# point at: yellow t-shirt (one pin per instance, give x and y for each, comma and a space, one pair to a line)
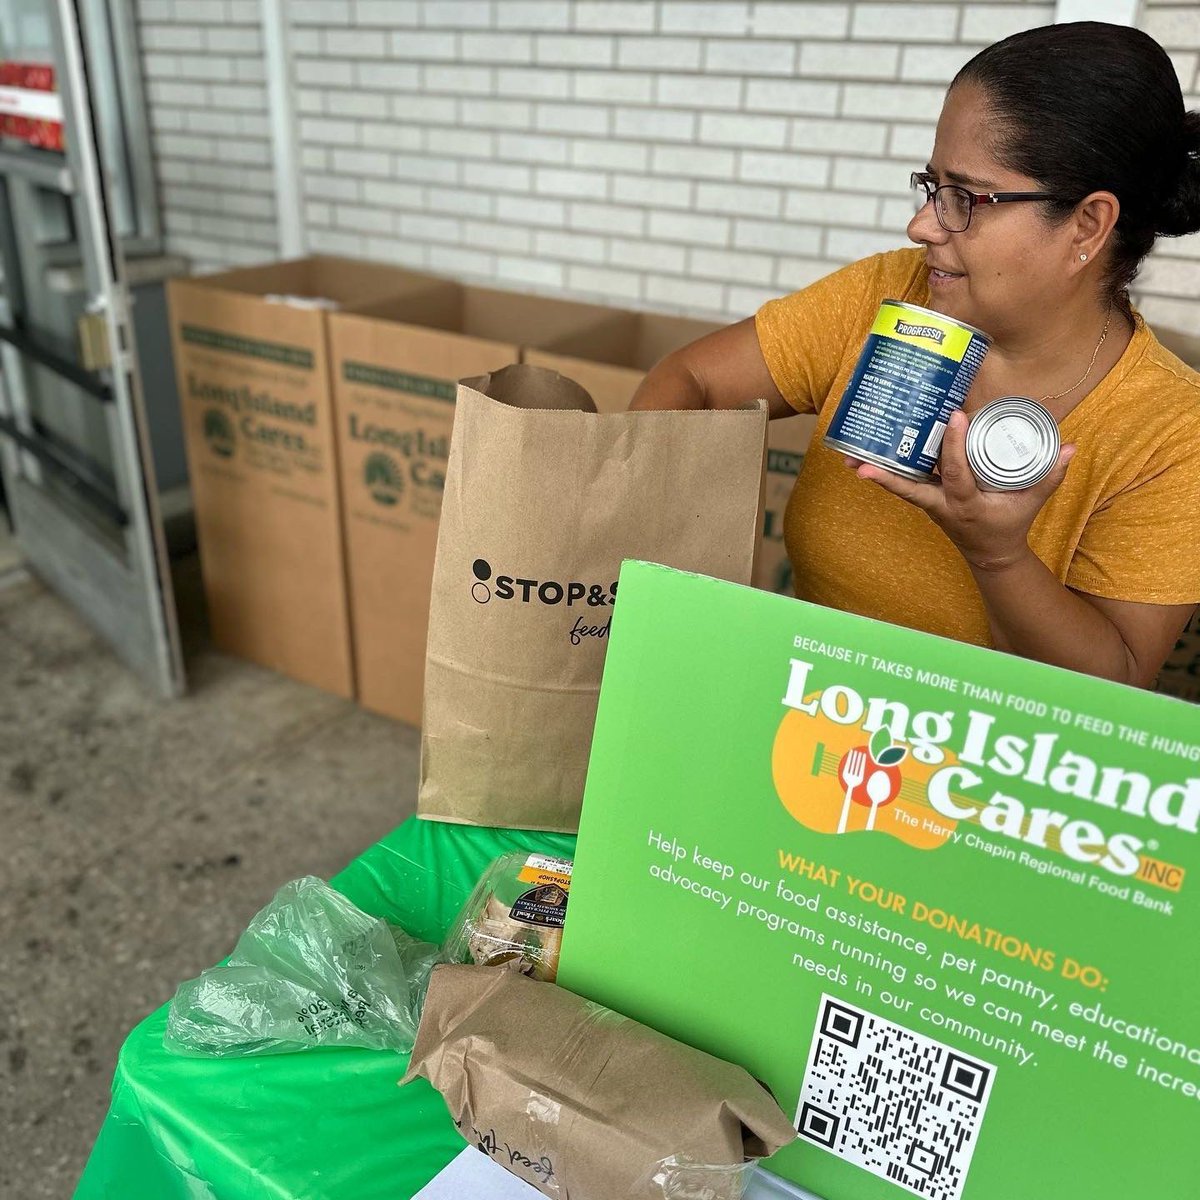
1125, 524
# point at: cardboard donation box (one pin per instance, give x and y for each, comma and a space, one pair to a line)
395, 366
942, 901
251, 360
1180, 676
544, 497
610, 363
787, 444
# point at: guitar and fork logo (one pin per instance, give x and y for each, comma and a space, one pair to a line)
870, 777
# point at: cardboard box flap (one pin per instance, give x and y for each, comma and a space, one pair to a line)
633, 340
530, 320
613, 343
660, 336
489, 314
345, 281
439, 307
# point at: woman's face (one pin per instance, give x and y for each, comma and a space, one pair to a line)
1009, 264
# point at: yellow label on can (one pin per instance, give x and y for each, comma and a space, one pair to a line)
930, 331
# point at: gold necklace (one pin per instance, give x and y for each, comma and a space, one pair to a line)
1095, 354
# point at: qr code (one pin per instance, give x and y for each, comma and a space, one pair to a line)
895, 1102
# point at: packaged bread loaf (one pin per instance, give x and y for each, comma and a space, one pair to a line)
584, 1103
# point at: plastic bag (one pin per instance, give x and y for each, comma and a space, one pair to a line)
310, 970
515, 916
682, 1179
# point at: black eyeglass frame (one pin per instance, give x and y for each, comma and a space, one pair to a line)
922, 179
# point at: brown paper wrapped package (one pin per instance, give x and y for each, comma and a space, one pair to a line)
579, 1101
544, 499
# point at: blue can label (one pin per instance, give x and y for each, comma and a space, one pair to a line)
915, 369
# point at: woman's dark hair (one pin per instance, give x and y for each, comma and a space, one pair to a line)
1087, 107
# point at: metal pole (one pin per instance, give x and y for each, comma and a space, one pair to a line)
289, 213
1115, 12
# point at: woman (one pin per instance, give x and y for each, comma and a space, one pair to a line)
1098, 567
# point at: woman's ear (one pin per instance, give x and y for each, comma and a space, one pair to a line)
1095, 217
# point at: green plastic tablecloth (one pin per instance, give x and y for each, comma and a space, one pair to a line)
317, 1125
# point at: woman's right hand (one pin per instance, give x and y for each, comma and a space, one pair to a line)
989, 529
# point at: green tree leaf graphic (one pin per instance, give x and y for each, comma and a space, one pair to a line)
881, 739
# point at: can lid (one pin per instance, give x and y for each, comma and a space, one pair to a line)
1012, 443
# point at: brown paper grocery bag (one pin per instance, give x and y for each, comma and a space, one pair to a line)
544, 499
581, 1102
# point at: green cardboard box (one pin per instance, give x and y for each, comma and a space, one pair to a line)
939, 899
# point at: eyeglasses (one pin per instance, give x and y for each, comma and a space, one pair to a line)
954, 205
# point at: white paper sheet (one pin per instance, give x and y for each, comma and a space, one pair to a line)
478, 1176
482, 1178
765, 1186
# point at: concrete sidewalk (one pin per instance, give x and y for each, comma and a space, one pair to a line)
138, 837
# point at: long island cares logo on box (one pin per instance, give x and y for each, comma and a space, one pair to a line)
549, 593
384, 476
845, 763
262, 418
219, 433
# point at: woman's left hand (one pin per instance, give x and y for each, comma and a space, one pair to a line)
990, 529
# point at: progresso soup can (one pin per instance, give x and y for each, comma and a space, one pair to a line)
916, 368
1012, 443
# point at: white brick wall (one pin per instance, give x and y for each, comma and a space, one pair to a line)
203, 69
693, 157
1168, 290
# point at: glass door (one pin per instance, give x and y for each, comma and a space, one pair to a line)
76, 198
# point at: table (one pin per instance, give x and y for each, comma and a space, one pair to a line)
325, 1124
